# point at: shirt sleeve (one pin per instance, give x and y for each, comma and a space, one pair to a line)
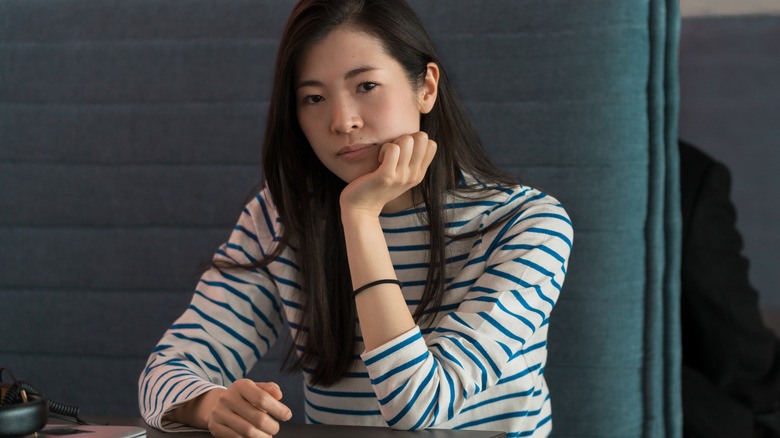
422, 381
233, 319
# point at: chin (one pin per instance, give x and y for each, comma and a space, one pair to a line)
347, 177
353, 174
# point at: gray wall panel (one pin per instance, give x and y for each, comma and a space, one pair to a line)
730, 108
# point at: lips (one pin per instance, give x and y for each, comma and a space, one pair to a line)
355, 151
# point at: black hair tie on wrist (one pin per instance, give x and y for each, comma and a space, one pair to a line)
376, 283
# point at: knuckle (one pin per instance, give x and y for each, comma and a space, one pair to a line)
387, 180
241, 383
274, 386
405, 140
218, 415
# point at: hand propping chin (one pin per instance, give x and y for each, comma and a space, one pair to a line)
403, 164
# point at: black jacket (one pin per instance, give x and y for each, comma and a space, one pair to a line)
731, 360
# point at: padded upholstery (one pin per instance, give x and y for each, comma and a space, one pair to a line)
130, 136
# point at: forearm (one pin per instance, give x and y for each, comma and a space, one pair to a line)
382, 309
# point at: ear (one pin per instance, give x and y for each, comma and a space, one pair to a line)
430, 88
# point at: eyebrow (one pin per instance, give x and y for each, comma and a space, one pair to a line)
348, 75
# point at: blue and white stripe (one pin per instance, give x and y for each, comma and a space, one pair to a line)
479, 365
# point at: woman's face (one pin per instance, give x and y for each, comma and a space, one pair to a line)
352, 98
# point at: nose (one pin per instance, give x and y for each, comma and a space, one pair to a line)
344, 116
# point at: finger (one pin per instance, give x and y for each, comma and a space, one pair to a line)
261, 422
235, 426
271, 388
407, 145
389, 154
417, 163
264, 400
226, 421
219, 430
430, 152
247, 418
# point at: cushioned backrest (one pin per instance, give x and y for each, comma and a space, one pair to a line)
130, 135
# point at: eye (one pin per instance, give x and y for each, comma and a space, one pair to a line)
365, 87
312, 99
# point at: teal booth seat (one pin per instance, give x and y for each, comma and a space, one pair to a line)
130, 136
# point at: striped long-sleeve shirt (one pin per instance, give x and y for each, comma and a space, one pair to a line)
479, 365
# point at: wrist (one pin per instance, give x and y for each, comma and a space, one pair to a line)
352, 217
197, 411
205, 405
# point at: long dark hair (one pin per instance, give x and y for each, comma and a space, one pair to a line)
306, 193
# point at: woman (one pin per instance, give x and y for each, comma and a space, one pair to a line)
416, 278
